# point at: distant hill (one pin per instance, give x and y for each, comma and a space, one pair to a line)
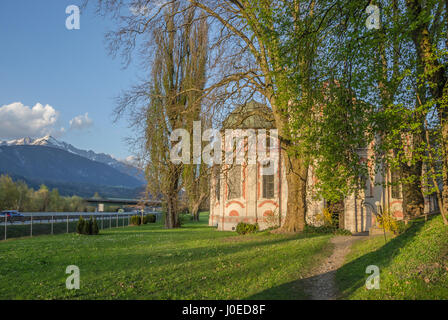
49, 141
67, 171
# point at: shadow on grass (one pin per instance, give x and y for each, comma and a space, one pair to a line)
349, 277
167, 256
293, 290
352, 275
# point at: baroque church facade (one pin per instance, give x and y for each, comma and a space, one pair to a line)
245, 193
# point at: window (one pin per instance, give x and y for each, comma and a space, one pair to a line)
234, 182
396, 186
217, 185
268, 185
366, 181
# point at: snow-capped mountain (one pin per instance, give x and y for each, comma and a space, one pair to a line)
49, 141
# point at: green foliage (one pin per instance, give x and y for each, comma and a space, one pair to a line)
149, 218
16, 195
80, 225
389, 223
326, 229
402, 227
185, 218
413, 265
328, 218
136, 220
95, 228
87, 227
245, 228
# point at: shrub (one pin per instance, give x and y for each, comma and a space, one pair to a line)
80, 225
402, 227
389, 223
151, 218
185, 218
136, 220
95, 228
328, 217
89, 227
326, 230
320, 230
245, 228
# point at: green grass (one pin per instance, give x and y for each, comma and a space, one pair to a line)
149, 262
17, 230
413, 265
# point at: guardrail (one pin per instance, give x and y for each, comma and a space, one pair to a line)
39, 223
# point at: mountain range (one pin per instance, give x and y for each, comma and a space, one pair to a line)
73, 171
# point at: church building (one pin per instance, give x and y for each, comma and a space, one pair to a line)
245, 193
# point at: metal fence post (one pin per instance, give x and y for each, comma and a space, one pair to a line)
110, 221
67, 223
102, 219
51, 224
129, 217
116, 225
31, 232
6, 221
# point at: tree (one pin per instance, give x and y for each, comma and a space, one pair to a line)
9, 194
196, 180
172, 97
427, 29
263, 48
55, 203
42, 197
277, 56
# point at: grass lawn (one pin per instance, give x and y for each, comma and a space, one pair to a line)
149, 262
413, 265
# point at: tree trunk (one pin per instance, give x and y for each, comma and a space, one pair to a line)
195, 211
444, 209
172, 217
413, 199
172, 212
436, 75
296, 177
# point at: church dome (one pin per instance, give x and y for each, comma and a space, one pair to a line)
252, 115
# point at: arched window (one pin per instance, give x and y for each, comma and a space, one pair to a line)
217, 183
268, 185
396, 185
234, 182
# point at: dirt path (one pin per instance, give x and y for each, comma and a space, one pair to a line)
321, 284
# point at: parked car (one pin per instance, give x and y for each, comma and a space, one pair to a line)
5, 213
11, 214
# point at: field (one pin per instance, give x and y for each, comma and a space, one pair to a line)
413, 265
149, 262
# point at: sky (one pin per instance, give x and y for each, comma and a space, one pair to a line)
58, 81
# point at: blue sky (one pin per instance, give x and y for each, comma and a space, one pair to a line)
41, 61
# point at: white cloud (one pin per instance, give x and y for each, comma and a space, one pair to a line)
81, 122
18, 120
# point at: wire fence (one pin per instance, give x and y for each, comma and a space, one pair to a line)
40, 223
